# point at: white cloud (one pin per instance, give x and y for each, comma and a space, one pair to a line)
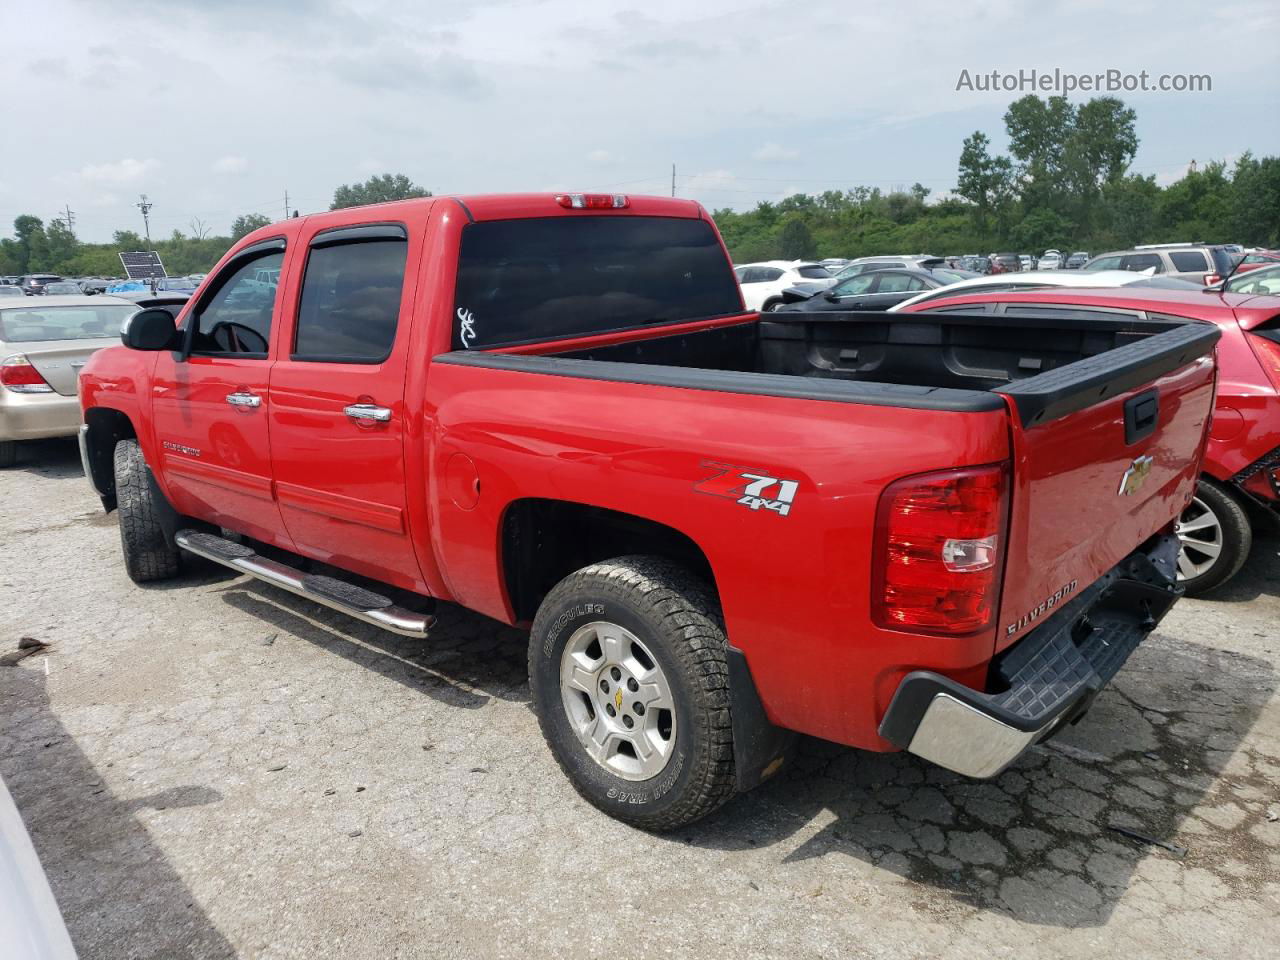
121, 172
230, 164
775, 153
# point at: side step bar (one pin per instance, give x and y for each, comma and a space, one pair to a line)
337, 594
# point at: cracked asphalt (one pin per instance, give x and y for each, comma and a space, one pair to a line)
211, 768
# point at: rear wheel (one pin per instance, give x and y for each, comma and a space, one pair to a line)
772, 306
1215, 537
630, 682
147, 520
8, 453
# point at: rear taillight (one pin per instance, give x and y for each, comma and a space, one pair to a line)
1210, 279
592, 201
939, 549
1267, 351
17, 374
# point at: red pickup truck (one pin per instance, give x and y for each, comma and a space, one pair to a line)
934, 534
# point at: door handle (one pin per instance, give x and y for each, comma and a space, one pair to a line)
367, 411
244, 399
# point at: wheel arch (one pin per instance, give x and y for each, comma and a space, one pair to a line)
104, 427
542, 541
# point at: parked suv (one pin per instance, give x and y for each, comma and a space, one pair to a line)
1240, 485
762, 283
33, 284
1077, 260
1006, 263
1199, 262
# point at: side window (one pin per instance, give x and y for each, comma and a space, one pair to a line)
1189, 261
770, 274
751, 275
1105, 263
1137, 262
350, 301
855, 285
897, 283
236, 319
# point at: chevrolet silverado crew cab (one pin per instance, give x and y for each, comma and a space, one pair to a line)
941, 533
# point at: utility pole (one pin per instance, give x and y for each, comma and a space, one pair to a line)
673, 179
71, 219
286, 204
145, 206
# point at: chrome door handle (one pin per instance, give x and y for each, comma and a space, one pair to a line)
367, 411
244, 400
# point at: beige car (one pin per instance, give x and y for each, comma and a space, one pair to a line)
44, 341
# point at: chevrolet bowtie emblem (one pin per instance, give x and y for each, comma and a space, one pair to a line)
1135, 476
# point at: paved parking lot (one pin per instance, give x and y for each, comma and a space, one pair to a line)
210, 768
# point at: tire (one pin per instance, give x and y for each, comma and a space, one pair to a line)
147, 520
642, 609
771, 306
8, 453
1214, 521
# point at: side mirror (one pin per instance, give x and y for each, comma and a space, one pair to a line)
832, 296
150, 330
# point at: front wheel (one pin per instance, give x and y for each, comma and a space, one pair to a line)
630, 682
147, 520
1215, 536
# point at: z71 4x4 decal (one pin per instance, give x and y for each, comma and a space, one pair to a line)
749, 487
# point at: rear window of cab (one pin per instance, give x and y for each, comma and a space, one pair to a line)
521, 281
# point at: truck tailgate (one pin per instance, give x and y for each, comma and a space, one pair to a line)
1106, 453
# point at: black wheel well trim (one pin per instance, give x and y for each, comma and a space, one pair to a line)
106, 427
537, 550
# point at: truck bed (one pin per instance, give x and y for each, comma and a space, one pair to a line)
960, 362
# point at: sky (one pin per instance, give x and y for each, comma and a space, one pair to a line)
216, 108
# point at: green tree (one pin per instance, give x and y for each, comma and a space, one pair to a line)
795, 242
1038, 132
377, 189
63, 244
247, 223
129, 240
32, 244
1254, 202
985, 181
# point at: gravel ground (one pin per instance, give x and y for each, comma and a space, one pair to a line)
210, 768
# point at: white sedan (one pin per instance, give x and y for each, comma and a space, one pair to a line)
1037, 280
762, 283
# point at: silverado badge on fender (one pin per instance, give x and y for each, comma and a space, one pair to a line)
1135, 476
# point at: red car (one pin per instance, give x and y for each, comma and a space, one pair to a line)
1240, 487
720, 526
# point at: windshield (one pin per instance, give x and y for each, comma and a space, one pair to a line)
29, 324
543, 278
1262, 280
56, 288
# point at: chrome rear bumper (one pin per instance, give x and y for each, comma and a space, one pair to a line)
1044, 681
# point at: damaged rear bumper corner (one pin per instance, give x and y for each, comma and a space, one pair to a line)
1044, 681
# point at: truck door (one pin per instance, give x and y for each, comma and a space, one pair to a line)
337, 402
210, 409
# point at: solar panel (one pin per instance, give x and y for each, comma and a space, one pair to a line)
142, 265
